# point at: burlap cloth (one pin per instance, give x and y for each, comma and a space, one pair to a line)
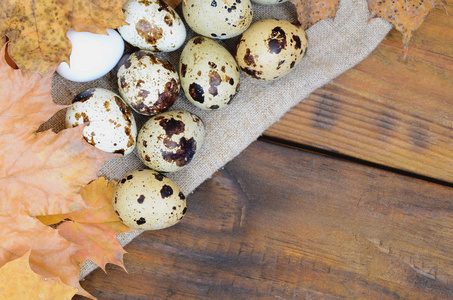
334, 47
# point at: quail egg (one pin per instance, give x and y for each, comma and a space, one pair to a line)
218, 18
153, 25
209, 74
111, 127
270, 49
168, 141
147, 200
147, 82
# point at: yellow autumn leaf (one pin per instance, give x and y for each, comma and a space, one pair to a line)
18, 281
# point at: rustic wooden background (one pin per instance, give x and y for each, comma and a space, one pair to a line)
350, 195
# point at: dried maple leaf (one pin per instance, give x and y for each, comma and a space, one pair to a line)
405, 15
311, 12
37, 29
94, 230
40, 174
18, 281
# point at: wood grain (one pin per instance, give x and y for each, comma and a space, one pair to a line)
385, 110
281, 223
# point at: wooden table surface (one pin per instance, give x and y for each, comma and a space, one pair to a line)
350, 195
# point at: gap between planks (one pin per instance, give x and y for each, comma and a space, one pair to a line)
334, 154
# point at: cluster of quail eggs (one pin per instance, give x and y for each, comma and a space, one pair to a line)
148, 85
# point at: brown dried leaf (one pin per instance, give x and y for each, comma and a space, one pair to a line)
95, 230
405, 15
37, 29
311, 12
40, 174
18, 281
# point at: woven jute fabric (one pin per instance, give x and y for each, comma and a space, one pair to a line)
334, 47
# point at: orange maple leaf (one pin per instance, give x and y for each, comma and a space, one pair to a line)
26, 284
95, 230
41, 173
311, 12
37, 29
405, 15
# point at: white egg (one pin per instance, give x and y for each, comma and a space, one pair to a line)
153, 25
92, 55
111, 127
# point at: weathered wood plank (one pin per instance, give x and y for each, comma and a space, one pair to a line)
278, 222
385, 110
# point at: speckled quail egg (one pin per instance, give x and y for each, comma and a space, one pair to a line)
111, 125
168, 141
147, 200
153, 25
209, 74
268, 2
217, 18
147, 82
270, 49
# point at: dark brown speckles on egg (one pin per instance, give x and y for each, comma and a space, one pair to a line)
159, 176
214, 81
150, 32
166, 191
183, 70
169, 144
142, 94
298, 43
172, 126
141, 199
277, 40
184, 154
139, 83
249, 59
141, 221
123, 82
196, 92
145, 2
168, 20
181, 196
